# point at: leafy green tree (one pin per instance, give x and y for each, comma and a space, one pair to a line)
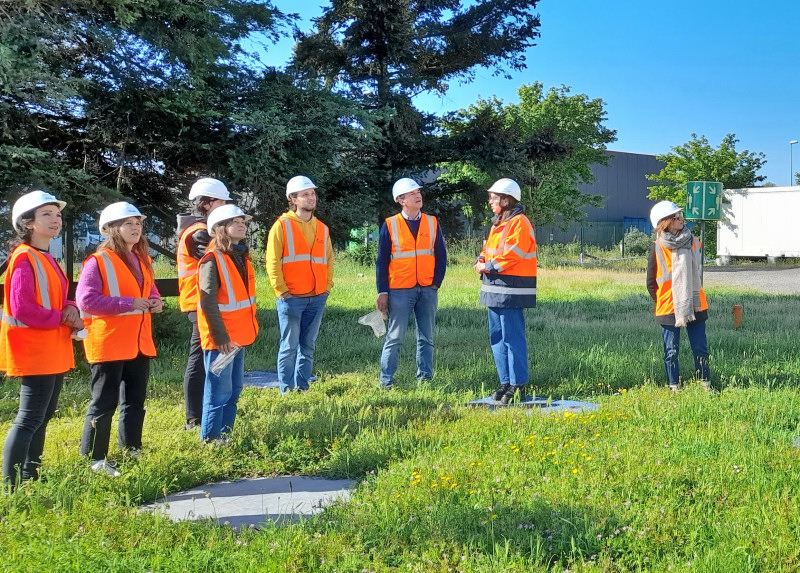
697, 160
120, 98
383, 52
547, 142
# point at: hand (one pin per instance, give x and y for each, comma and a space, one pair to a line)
156, 305
287, 295
71, 317
227, 348
382, 303
480, 267
141, 304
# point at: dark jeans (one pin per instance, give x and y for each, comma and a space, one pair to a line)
123, 382
38, 398
194, 377
697, 340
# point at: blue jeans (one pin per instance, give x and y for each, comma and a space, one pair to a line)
220, 395
697, 340
422, 301
299, 319
509, 346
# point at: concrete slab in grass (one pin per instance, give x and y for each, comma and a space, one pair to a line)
542, 405
263, 379
253, 502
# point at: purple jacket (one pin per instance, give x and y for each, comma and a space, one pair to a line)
90, 297
24, 306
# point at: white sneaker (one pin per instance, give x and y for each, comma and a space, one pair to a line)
104, 466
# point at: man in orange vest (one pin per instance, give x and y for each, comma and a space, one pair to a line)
410, 268
205, 195
300, 270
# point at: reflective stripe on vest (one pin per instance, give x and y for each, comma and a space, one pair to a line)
304, 266
399, 253
413, 260
292, 256
110, 274
497, 289
31, 351
125, 335
238, 311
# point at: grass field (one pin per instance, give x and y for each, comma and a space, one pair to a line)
651, 482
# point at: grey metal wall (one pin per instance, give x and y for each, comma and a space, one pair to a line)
623, 185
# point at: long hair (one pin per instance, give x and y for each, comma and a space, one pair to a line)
115, 242
223, 240
507, 204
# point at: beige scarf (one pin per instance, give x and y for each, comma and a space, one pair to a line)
686, 285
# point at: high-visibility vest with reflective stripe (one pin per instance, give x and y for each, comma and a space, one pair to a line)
664, 303
413, 261
119, 336
26, 351
236, 302
511, 246
187, 270
304, 268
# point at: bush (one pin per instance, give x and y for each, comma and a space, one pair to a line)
636, 243
364, 254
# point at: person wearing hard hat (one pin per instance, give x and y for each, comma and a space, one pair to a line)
300, 270
674, 281
205, 195
410, 268
226, 318
37, 323
117, 295
507, 266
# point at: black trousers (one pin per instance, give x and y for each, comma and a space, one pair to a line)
22, 453
194, 378
122, 382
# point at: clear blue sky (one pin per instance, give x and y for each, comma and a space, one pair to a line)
665, 70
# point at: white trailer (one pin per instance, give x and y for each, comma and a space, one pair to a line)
759, 222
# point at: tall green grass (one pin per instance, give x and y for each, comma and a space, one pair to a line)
651, 482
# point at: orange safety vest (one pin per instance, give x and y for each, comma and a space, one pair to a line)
237, 303
118, 336
187, 270
664, 304
26, 351
413, 261
515, 241
304, 268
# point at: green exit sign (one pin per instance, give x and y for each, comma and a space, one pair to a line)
703, 200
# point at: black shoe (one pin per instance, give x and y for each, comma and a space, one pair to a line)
500, 392
513, 394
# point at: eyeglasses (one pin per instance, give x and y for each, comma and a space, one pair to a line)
678, 215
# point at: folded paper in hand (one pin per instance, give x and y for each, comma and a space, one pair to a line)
375, 321
221, 361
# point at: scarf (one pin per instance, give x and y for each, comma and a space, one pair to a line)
686, 263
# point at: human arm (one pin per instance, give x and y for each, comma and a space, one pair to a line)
520, 245
329, 285
208, 283
652, 282
24, 306
382, 269
90, 298
274, 265
197, 243
440, 255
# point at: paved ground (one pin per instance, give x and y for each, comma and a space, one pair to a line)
770, 279
253, 502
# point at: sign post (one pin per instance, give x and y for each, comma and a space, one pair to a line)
703, 203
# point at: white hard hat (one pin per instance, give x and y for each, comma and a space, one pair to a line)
506, 187
224, 213
663, 209
403, 186
117, 212
208, 187
31, 201
298, 183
